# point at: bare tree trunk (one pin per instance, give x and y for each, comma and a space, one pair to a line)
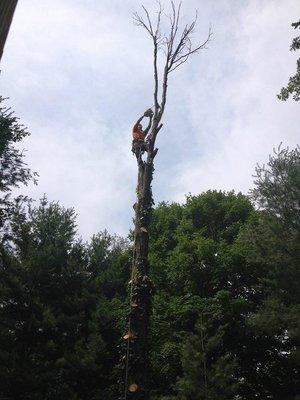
141, 285
7, 9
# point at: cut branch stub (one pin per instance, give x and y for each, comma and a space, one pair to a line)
133, 388
129, 335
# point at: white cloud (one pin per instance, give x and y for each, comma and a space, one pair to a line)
246, 119
78, 74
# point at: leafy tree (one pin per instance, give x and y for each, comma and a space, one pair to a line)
204, 342
275, 236
293, 86
59, 328
209, 369
194, 250
13, 169
109, 261
273, 240
277, 189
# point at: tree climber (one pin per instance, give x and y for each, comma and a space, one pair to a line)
139, 145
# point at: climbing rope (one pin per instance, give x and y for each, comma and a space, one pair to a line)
129, 319
204, 355
130, 299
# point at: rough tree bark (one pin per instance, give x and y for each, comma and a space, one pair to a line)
177, 48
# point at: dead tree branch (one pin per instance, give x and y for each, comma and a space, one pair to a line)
177, 48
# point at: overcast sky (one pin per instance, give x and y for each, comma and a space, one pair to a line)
79, 73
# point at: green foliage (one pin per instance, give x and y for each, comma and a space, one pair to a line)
13, 170
59, 326
211, 287
205, 279
293, 86
224, 324
273, 240
278, 188
209, 372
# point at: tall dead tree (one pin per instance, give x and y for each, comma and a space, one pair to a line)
176, 46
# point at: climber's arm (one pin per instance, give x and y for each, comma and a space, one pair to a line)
147, 113
135, 127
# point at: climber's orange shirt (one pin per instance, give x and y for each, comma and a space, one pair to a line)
137, 134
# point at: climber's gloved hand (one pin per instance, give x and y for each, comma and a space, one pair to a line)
148, 113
